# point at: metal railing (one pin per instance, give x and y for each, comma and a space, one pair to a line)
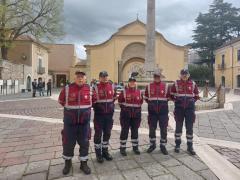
41, 70
221, 66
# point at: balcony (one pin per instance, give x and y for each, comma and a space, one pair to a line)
221, 66
41, 70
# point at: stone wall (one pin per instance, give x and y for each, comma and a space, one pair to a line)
12, 71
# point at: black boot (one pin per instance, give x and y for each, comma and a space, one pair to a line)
85, 168
99, 158
136, 150
151, 148
164, 150
106, 155
191, 151
123, 151
67, 167
177, 149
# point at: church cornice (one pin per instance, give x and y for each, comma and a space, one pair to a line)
128, 25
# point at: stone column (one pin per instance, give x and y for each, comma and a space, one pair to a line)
150, 37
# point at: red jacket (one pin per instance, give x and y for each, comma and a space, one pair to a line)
130, 97
187, 89
103, 92
76, 97
104, 96
157, 92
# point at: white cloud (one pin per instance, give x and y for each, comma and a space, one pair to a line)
94, 21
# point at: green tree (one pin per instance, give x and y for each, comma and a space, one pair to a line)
200, 73
41, 19
220, 24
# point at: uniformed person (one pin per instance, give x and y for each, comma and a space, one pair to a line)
185, 93
157, 95
130, 101
103, 104
77, 101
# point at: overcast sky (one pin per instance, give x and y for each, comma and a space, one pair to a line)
94, 21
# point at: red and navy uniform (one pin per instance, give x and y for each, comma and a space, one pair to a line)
130, 101
157, 96
77, 103
184, 94
103, 103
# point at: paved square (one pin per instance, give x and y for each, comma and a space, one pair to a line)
31, 148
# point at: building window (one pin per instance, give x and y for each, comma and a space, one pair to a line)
238, 55
223, 81
238, 81
40, 63
223, 60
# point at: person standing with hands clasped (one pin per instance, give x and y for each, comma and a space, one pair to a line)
103, 104
130, 101
185, 93
76, 98
157, 95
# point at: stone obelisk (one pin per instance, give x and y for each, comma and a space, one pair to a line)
149, 65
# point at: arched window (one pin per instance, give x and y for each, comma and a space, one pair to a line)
238, 81
223, 59
223, 81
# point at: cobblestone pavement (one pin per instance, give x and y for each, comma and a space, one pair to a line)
33, 107
49, 108
232, 155
32, 150
224, 125
46, 108
27, 95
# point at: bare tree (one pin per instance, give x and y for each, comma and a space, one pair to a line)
42, 19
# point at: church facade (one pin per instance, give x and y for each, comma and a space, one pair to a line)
124, 53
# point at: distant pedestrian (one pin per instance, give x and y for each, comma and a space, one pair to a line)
34, 88
44, 85
40, 88
49, 87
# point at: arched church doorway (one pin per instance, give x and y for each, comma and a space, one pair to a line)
29, 82
132, 65
133, 57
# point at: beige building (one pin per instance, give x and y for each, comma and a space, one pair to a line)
80, 65
30, 52
124, 52
62, 58
227, 65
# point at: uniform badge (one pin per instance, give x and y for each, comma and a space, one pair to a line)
86, 96
110, 92
162, 91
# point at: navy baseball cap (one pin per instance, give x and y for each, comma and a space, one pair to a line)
80, 73
103, 74
184, 72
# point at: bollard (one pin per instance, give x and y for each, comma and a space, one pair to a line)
221, 96
206, 90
